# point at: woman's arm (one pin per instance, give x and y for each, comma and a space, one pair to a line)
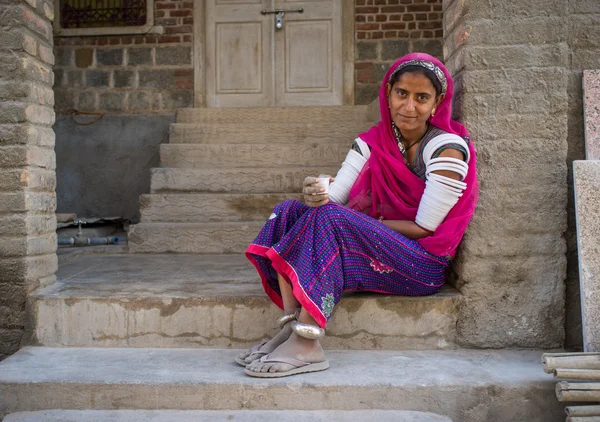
411, 229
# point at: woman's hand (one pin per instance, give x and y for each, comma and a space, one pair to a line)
314, 195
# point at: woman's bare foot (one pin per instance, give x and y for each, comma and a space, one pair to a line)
259, 350
295, 347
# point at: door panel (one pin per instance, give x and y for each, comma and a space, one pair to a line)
308, 62
308, 54
238, 54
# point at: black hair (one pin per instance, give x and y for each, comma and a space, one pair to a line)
418, 69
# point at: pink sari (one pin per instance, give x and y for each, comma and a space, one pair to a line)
387, 187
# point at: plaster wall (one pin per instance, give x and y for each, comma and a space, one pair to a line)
103, 168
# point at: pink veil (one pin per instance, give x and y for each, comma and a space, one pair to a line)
386, 187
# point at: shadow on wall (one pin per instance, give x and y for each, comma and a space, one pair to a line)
103, 168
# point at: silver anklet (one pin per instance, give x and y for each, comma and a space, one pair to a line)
285, 319
308, 331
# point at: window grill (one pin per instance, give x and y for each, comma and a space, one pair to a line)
102, 13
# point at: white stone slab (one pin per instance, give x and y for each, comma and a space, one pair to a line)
466, 385
586, 175
225, 416
591, 113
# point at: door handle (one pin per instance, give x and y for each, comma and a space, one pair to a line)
279, 13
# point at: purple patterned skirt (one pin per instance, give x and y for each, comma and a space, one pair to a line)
325, 251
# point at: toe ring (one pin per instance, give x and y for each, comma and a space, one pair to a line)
307, 330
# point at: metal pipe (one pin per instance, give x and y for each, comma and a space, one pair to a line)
88, 241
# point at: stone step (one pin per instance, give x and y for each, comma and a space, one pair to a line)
247, 180
225, 416
327, 114
209, 207
271, 133
465, 385
215, 301
223, 156
210, 238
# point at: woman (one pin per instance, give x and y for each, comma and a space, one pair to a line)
392, 220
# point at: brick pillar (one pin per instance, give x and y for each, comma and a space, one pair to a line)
27, 164
510, 61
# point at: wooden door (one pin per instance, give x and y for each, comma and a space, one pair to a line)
250, 63
239, 70
308, 54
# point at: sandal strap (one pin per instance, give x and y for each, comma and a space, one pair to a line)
290, 361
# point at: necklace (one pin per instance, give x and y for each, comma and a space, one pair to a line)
400, 141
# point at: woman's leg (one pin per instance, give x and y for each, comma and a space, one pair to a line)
290, 306
296, 347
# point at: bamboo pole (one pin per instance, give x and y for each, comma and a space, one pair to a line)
578, 391
578, 374
583, 418
583, 410
552, 361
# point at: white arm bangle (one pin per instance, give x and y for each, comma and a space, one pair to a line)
339, 190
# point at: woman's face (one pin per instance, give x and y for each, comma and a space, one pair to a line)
411, 100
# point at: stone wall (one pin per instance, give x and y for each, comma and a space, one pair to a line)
510, 60
388, 29
584, 46
27, 163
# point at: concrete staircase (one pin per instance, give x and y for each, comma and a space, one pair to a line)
156, 333
223, 170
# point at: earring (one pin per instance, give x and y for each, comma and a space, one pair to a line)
433, 112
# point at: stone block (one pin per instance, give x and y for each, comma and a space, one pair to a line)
112, 57
24, 271
27, 224
12, 316
587, 208
45, 53
60, 78
19, 41
96, 79
536, 30
584, 7
156, 78
366, 50
64, 57
591, 113
140, 101
111, 101
29, 245
511, 9
391, 50
501, 57
26, 134
172, 100
75, 78
23, 156
26, 113
84, 57
171, 56
32, 178
433, 47
139, 56
124, 79
515, 80
87, 101
23, 67
24, 201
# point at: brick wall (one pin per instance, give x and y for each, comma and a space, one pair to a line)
388, 29
133, 73
27, 164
